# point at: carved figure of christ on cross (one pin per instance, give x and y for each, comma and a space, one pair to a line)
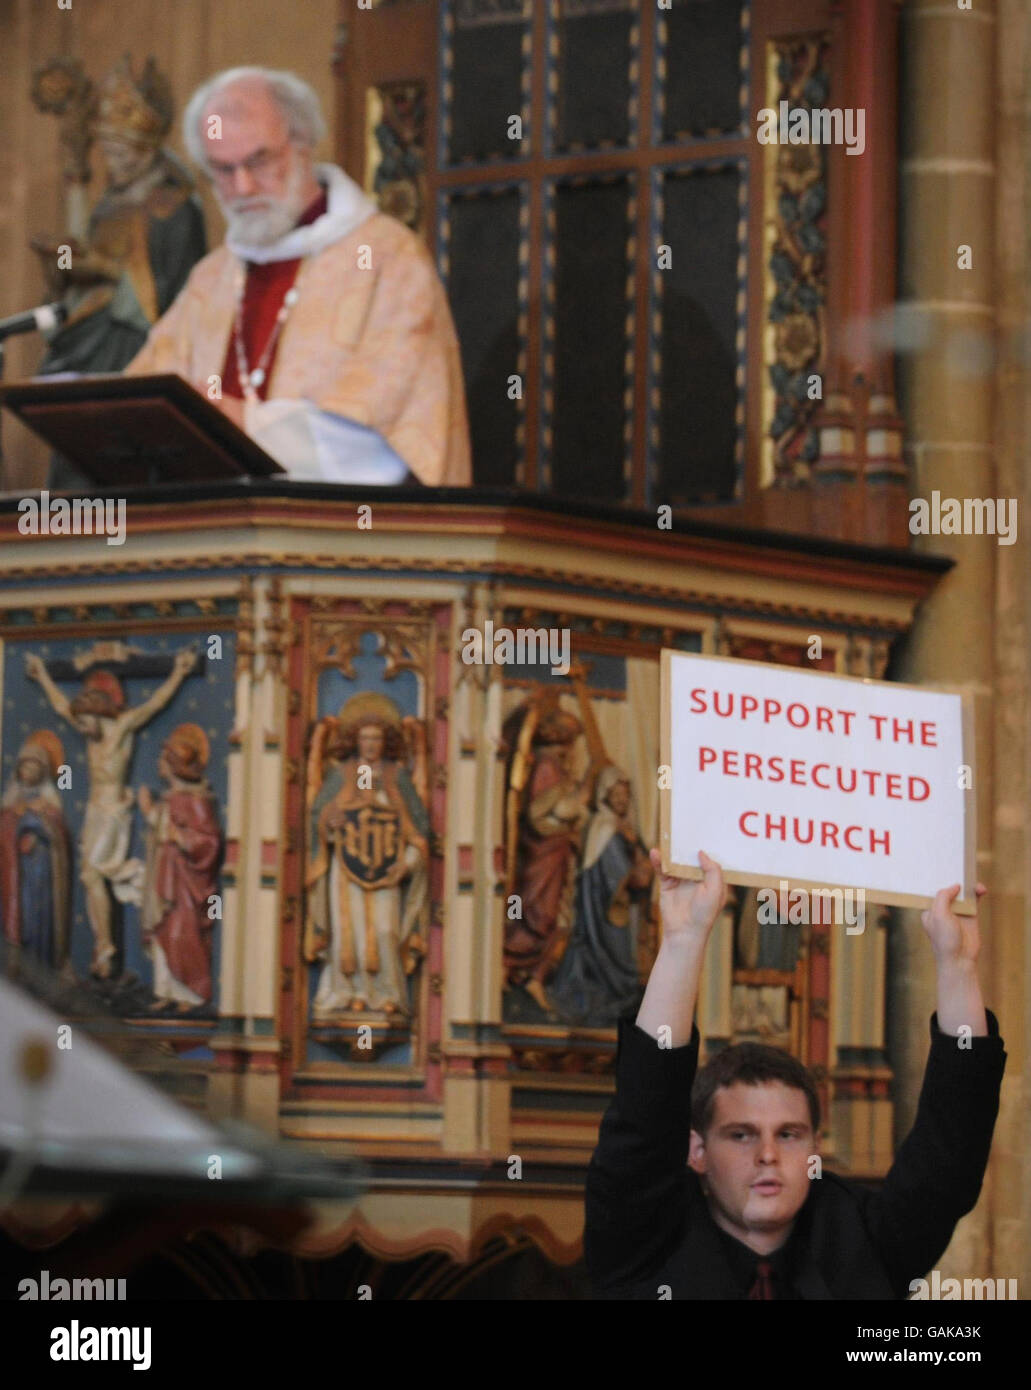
99, 714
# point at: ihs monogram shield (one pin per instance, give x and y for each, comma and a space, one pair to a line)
370, 842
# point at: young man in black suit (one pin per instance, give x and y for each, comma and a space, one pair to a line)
715, 1196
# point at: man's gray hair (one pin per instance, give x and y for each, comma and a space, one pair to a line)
298, 102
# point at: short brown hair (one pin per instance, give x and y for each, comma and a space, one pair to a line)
753, 1064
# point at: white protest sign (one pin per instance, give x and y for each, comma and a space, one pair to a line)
825, 781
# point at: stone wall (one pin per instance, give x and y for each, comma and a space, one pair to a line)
962, 338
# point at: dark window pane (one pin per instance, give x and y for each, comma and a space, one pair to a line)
593, 98
486, 80
697, 337
483, 287
590, 326
702, 93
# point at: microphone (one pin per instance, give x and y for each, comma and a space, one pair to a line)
41, 320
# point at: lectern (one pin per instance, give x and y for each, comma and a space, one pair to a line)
123, 431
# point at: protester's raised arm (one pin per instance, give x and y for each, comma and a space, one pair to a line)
938, 1170
635, 1191
956, 942
688, 909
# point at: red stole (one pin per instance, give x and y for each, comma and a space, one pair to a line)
262, 300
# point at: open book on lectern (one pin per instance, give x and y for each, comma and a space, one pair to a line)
127, 431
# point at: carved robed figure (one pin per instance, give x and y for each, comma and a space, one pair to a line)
367, 884
35, 856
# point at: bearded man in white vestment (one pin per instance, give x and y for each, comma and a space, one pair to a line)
321, 327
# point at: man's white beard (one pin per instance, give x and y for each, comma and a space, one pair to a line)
261, 226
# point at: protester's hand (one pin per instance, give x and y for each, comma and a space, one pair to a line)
952, 938
688, 907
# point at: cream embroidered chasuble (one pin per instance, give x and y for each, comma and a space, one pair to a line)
375, 345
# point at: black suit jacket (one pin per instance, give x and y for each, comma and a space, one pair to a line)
648, 1223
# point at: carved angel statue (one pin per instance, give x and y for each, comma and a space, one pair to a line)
367, 900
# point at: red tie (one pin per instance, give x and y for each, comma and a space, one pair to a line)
763, 1286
